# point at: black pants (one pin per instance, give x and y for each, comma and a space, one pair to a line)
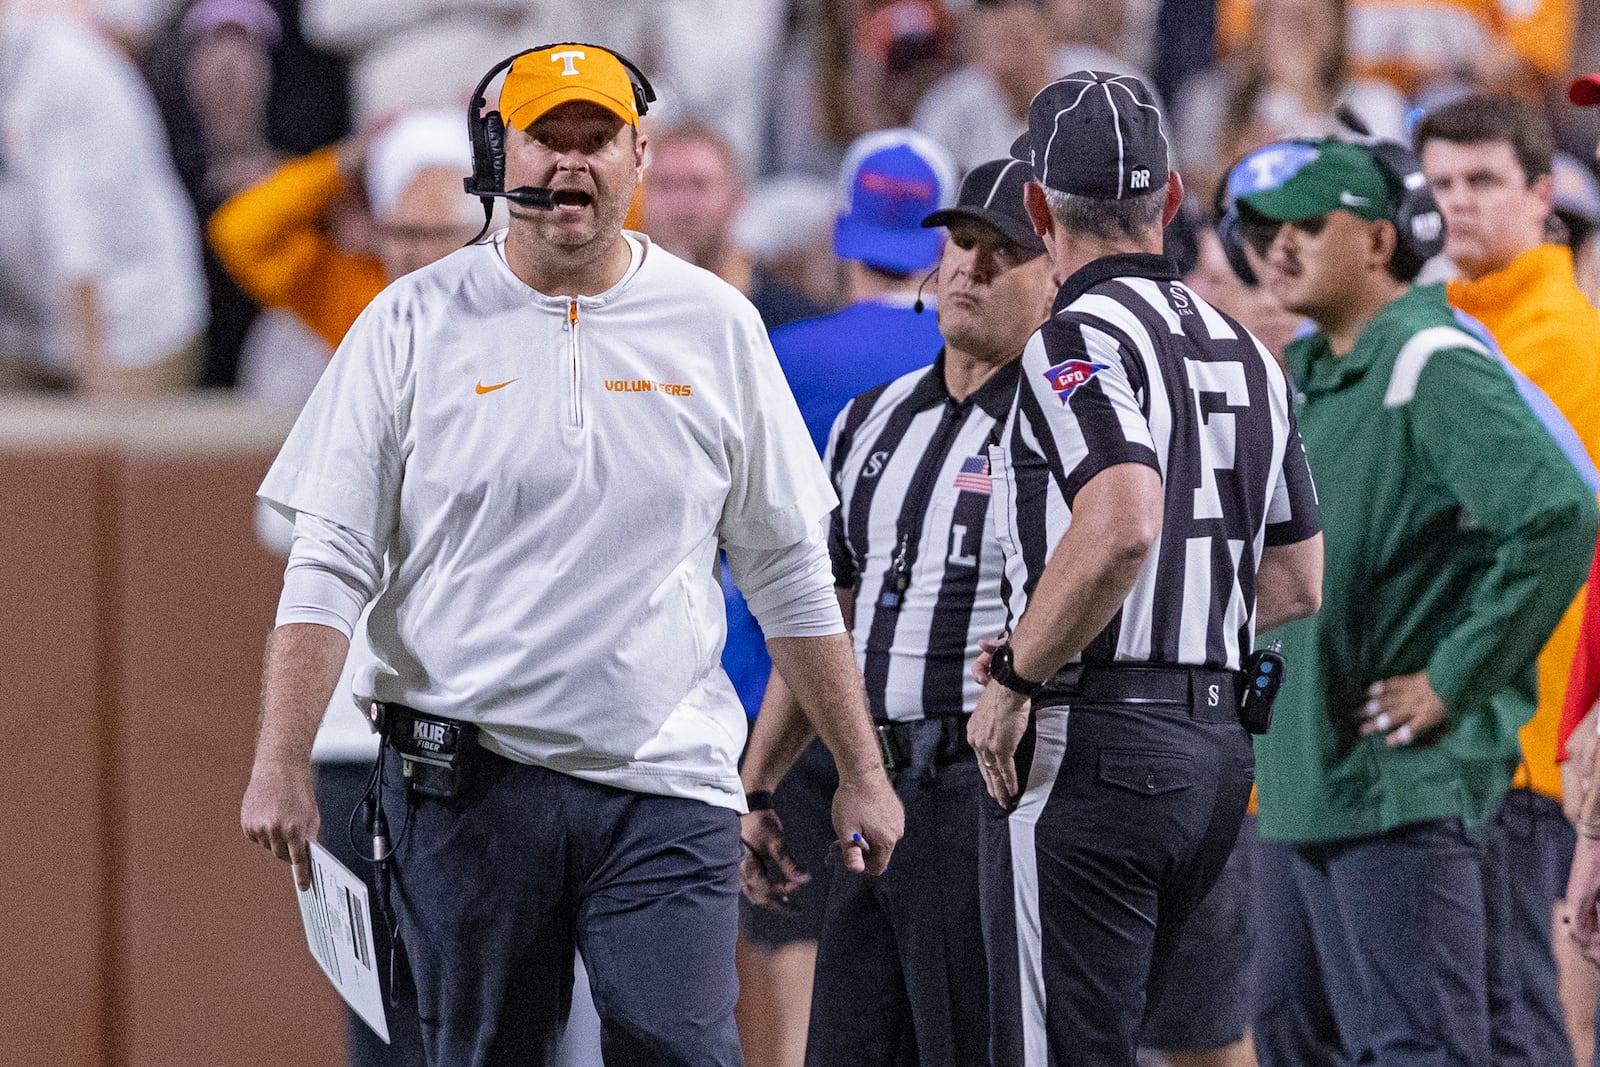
495, 890
900, 976
1127, 818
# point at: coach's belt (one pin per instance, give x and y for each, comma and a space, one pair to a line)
1208, 695
894, 740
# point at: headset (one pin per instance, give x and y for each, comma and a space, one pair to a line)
1418, 223
487, 133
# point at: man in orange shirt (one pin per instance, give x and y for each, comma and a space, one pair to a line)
279, 238
1488, 160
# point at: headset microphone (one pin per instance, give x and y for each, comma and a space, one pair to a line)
919, 305
525, 195
487, 133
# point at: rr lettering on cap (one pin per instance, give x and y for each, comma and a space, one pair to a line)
1140, 179
569, 59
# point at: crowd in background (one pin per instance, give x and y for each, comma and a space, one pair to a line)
128, 123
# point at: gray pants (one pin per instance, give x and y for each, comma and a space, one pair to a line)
1376, 953
496, 889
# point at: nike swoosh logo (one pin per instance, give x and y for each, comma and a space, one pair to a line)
491, 388
1352, 200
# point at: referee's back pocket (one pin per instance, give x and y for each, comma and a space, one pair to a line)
1147, 772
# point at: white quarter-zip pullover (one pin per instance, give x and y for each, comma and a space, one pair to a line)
551, 478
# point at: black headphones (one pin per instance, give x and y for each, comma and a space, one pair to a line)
487, 133
1418, 223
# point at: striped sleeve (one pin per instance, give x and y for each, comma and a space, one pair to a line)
1292, 512
1091, 407
846, 572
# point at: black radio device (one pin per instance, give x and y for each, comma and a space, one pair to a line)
1262, 674
436, 754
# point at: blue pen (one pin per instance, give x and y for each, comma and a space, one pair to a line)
861, 843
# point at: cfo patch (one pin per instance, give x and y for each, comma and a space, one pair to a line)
1066, 377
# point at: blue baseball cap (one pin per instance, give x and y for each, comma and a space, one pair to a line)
890, 182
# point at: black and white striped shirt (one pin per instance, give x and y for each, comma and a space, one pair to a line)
911, 468
1134, 367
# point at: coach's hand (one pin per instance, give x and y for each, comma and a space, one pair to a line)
868, 819
279, 813
1401, 708
767, 873
994, 731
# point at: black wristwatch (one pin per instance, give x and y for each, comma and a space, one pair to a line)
1001, 670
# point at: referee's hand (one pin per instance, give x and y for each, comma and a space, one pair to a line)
994, 731
279, 813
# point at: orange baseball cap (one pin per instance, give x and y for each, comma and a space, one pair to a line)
561, 74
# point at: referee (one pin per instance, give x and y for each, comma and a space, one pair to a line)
1154, 508
900, 963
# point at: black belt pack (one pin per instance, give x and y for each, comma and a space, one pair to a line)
436, 754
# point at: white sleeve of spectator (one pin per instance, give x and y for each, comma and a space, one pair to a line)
332, 573
790, 589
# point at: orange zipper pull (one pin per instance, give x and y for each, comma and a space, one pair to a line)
572, 313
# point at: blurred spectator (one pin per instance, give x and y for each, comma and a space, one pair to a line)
1418, 44
788, 226
797, 130
890, 181
1092, 35
1286, 80
1577, 207
212, 73
1185, 42
693, 192
709, 59
977, 111
278, 238
876, 61
410, 53
100, 281
1488, 160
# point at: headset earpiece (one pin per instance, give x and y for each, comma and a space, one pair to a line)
1225, 220
1227, 226
1418, 223
494, 142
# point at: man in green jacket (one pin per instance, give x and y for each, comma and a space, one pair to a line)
1456, 532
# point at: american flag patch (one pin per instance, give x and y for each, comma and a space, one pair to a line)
974, 475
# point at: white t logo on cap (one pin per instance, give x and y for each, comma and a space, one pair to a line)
570, 60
